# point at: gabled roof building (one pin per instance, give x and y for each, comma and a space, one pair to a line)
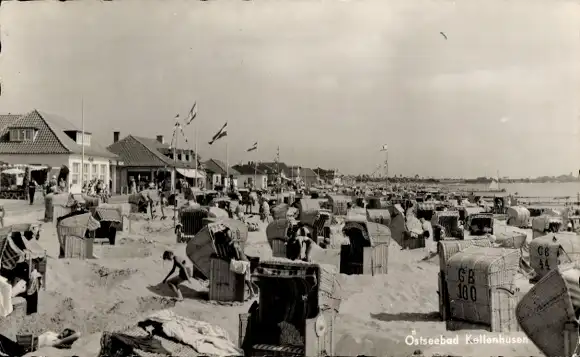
39, 138
152, 160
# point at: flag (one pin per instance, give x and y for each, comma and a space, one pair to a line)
384, 148
220, 134
176, 117
254, 147
192, 114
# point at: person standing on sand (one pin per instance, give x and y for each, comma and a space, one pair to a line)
32, 190
183, 274
427, 234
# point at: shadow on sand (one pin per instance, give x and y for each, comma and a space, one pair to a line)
408, 316
187, 292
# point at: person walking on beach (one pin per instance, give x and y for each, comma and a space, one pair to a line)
264, 210
132, 186
427, 234
182, 276
32, 190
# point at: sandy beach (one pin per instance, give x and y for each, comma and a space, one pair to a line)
376, 316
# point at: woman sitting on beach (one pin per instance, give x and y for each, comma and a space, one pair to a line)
239, 261
183, 275
299, 246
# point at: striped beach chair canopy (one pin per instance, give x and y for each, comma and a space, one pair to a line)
440, 214
11, 254
108, 214
84, 220
426, 206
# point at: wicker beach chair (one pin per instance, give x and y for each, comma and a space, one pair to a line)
339, 204
279, 211
425, 210
72, 230
480, 224
449, 222
212, 259
111, 220
368, 251
296, 311
308, 210
481, 287
548, 313
321, 230
277, 233
190, 222
518, 216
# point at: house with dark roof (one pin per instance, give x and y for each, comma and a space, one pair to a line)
301, 174
251, 176
217, 174
308, 176
152, 160
274, 170
38, 138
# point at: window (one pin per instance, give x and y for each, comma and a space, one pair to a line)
86, 172
22, 134
76, 171
187, 157
87, 138
95, 171
179, 157
103, 174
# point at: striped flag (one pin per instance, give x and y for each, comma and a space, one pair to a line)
192, 114
220, 134
254, 147
176, 117
384, 148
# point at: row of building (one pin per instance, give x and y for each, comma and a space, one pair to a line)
46, 140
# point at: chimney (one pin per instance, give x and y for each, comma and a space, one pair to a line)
160, 139
116, 136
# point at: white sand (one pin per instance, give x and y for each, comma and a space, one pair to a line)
376, 314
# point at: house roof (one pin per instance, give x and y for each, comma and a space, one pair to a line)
144, 152
219, 167
50, 139
306, 172
270, 167
248, 170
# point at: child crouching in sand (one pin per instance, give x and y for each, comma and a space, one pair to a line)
183, 274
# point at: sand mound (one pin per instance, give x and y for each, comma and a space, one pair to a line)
63, 313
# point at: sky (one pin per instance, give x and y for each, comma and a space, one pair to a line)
329, 82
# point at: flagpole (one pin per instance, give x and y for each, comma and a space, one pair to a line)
195, 138
256, 170
82, 141
227, 164
175, 162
